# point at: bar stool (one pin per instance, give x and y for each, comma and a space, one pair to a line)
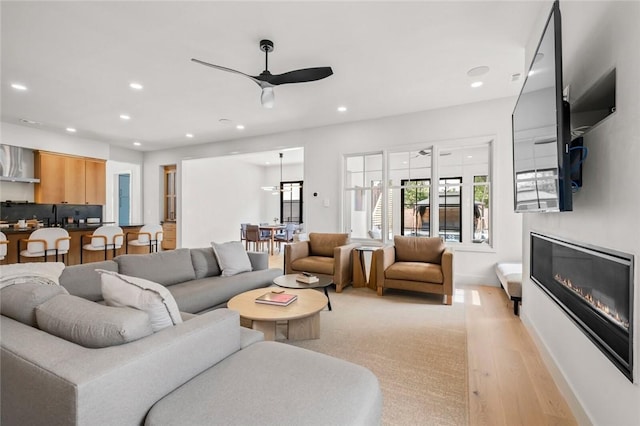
103, 238
45, 242
3, 245
148, 235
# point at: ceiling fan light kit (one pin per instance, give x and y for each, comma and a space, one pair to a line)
267, 81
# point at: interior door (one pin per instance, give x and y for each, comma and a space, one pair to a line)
124, 199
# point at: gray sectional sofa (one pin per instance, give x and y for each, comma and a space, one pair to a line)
191, 275
204, 370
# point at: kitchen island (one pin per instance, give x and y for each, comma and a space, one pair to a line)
76, 231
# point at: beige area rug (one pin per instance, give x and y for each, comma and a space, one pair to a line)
415, 345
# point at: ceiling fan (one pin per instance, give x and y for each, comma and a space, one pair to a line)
267, 81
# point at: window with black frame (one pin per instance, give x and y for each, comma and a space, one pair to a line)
416, 209
291, 202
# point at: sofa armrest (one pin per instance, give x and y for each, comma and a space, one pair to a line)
116, 385
447, 272
342, 272
293, 252
383, 258
259, 260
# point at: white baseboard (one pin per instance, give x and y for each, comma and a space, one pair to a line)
577, 410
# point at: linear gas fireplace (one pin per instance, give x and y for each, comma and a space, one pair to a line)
594, 287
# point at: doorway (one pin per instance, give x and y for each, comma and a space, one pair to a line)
124, 199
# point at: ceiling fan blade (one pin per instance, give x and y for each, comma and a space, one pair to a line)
258, 82
300, 76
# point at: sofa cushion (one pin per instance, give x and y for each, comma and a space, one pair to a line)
138, 293
232, 258
84, 281
166, 267
45, 272
322, 244
19, 301
419, 249
204, 262
206, 293
315, 264
90, 324
415, 271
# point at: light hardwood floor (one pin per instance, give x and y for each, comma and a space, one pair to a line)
508, 381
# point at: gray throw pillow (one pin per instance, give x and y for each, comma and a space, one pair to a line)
91, 324
165, 267
204, 262
232, 258
19, 301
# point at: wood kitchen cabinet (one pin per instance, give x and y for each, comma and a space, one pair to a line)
168, 236
69, 179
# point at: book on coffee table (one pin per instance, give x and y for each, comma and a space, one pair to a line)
307, 278
280, 299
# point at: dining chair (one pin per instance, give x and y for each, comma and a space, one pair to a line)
103, 238
286, 236
148, 235
243, 231
45, 242
254, 236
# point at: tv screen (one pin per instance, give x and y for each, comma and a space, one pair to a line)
541, 131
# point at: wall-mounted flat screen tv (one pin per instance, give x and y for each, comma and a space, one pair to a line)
541, 130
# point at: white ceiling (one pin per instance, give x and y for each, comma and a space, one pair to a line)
78, 58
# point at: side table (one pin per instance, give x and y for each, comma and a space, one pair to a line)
362, 274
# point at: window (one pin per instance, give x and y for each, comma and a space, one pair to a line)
363, 199
291, 202
397, 199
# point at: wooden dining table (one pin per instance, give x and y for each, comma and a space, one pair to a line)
272, 232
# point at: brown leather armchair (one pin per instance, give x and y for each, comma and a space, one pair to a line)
416, 264
325, 254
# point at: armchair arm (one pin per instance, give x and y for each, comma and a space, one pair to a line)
382, 259
293, 252
447, 272
342, 266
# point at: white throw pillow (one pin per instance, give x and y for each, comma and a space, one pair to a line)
138, 293
232, 258
44, 273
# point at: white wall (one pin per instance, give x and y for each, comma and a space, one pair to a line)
323, 151
597, 36
218, 194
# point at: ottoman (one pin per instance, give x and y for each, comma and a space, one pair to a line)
271, 383
510, 276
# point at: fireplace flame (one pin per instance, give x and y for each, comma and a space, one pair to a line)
611, 313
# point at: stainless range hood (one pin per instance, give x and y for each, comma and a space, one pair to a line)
16, 164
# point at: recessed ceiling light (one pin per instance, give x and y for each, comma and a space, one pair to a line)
136, 143
18, 86
71, 130
136, 86
476, 84
469, 156
240, 127
189, 135
125, 117
532, 72
267, 162
477, 71
342, 109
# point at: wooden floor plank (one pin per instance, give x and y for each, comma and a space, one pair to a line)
508, 382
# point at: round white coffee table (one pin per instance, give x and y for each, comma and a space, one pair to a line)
289, 281
302, 315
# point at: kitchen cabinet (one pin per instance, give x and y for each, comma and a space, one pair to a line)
95, 181
69, 179
168, 236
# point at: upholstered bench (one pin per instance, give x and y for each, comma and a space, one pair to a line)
271, 383
510, 276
